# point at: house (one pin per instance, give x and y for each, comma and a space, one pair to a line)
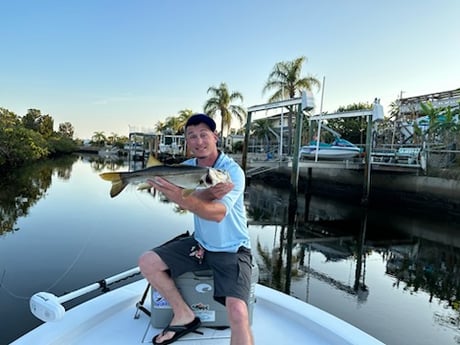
231, 140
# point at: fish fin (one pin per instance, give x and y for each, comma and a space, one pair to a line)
117, 182
144, 185
111, 176
152, 161
187, 192
117, 188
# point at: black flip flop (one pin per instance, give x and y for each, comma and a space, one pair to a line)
179, 331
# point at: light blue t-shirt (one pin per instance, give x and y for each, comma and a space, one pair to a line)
231, 232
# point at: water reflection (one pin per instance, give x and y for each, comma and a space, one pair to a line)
420, 252
99, 163
270, 206
21, 190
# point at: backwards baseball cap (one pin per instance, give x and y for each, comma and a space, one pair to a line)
196, 119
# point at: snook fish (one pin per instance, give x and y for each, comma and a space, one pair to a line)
186, 176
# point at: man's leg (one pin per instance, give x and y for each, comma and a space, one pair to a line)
238, 318
232, 279
154, 269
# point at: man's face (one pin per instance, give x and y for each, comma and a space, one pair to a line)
201, 140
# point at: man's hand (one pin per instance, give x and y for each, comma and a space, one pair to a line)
171, 191
199, 202
174, 193
215, 192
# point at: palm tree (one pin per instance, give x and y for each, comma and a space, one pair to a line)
99, 138
182, 117
159, 126
220, 102
285, 79
113, 138
173, 124
442, 121
263, 129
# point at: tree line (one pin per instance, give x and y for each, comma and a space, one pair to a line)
32, 137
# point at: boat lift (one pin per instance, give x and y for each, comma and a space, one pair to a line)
303, 103
372, 115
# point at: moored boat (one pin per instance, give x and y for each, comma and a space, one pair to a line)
109, 152
339, 149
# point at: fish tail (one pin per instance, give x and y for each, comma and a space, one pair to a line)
117, 182
111, 176
117, 188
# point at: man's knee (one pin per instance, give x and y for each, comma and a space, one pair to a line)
150, 261
237, 310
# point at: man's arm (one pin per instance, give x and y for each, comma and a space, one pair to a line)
200, 202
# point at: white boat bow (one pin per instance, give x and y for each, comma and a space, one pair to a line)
277, 319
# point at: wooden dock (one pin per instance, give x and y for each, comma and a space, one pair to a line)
256, 167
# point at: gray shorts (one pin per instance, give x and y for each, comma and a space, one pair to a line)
231, 271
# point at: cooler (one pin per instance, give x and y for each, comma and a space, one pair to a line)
197, 288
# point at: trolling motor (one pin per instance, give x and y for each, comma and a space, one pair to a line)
48, 307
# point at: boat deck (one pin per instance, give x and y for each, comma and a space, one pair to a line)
278, 319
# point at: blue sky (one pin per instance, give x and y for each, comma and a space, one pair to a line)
104, 65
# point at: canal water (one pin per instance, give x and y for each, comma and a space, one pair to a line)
390, 272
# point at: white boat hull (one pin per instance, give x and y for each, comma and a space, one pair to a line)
333, 152
277, 319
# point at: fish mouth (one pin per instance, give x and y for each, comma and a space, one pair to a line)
205, 180
208, 179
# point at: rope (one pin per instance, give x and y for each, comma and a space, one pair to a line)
72, 265
2, 286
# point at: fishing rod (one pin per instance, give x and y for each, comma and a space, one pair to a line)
48, 307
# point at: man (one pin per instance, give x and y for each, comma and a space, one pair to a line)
220, 241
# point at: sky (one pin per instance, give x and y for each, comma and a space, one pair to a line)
111, 65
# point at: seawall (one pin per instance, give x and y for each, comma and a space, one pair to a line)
387, 189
